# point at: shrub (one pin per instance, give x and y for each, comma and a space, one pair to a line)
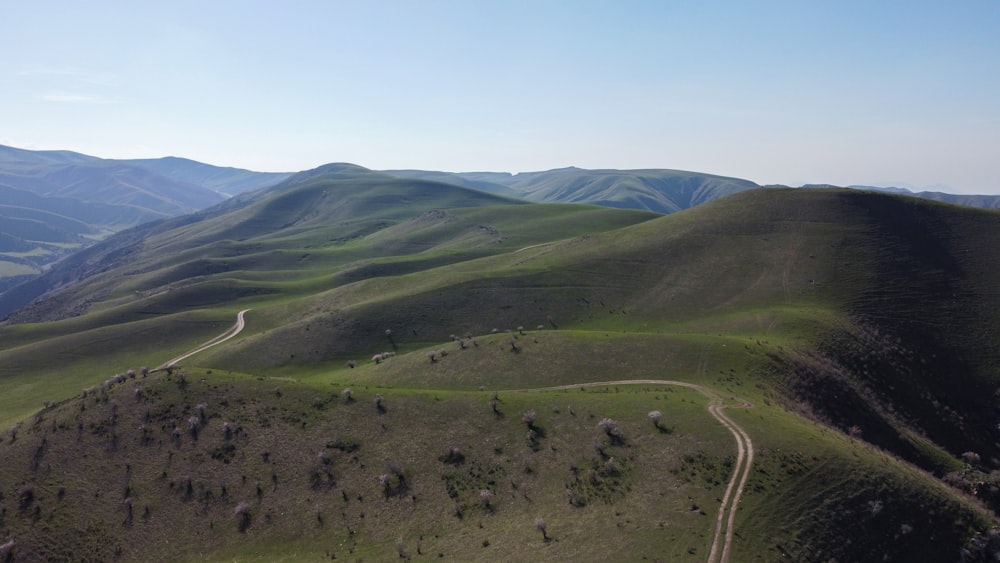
611, 466
542, 527
25, 497
393, 481
970, 457
242, 513
7, 551
608, 425
486, 498
453, 457
529, 417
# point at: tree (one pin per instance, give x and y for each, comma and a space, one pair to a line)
542, 527
655, 416
453, 457
7, 551
193, 424
970, 458
486, 498
242, 513
528, 418
608, 425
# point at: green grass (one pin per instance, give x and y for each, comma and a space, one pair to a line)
818, 306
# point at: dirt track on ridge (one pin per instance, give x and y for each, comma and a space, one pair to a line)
233, 331
722, 538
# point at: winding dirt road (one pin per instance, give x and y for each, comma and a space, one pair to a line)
722, 538
233, 331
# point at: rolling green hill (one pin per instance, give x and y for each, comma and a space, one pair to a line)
661, 191
851, 335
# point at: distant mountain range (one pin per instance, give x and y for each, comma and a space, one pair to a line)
53, 203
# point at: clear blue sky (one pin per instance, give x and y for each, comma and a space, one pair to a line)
839, 91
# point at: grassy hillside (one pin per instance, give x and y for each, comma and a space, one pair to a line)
852, 335
661, 191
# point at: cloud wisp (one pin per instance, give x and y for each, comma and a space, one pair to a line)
75, 98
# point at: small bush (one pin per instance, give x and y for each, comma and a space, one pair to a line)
529, 417
242, 513
542, 527
486, 499
453, 457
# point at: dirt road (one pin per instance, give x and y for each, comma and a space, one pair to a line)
233, 331
722, 538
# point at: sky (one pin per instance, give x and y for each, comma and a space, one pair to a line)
873, 92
